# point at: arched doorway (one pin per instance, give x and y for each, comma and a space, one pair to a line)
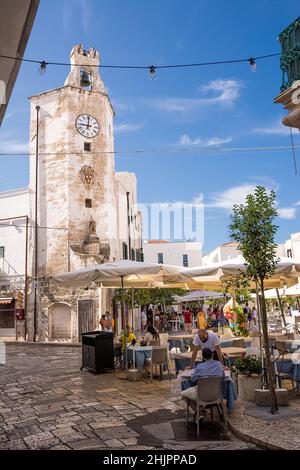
59, 321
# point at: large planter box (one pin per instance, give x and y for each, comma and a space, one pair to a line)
247, 385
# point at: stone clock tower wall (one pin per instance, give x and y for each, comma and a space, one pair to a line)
78, 198
75, 171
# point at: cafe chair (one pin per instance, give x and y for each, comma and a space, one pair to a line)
238, 343
159, 357
252, 351
206, 394
283, 376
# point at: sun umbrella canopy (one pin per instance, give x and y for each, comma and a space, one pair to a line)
134, 273
199, 295
211, 277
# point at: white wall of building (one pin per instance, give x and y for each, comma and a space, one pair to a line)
221, 253
173, 252
291, 247
13, 204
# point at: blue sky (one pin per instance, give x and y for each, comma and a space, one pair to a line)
207, 107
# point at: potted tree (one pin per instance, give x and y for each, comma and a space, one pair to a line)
248, 372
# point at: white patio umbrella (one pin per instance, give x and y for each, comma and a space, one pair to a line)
198, 295
122, 274
211, 276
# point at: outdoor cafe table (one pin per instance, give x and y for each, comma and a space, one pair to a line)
138, 355
183, 360
180, 341
292, 344
175, 325
228, 342
228, 387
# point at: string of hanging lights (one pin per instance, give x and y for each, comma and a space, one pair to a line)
252, 61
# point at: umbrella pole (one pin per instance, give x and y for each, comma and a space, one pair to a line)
124, 319
281, 307
132, 305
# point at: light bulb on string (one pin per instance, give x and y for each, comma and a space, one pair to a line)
252, 63
42, 68
152, 72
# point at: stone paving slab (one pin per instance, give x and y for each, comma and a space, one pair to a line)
46, 402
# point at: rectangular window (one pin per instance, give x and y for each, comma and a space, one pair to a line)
133, 254
2, 250
160, 258
185, 261
288, 253
87, 146
125, 250
88, 203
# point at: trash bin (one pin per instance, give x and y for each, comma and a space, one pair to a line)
97, 351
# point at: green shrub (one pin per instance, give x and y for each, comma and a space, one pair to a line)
248, 365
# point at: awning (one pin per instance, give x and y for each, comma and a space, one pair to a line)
5, 301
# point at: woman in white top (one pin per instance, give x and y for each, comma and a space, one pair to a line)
151, 335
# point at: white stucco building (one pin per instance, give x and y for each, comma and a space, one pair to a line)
222, 252
86, 211
187, 254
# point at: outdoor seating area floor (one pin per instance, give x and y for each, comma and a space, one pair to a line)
46, 402
262, 412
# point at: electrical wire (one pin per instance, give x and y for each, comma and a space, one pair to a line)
44, 63
254, 149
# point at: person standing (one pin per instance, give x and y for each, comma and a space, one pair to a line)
103, 323
206, 339
108, 321
201, 319
188, 321
144, 320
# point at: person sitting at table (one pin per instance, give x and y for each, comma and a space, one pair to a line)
206, 339
151, 335
130, 339
209, 367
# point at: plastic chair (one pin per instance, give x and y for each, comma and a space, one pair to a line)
159, 357
252, 351
208, 394
281, 376
154, 342
239, 343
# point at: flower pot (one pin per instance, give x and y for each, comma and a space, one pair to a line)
247, 385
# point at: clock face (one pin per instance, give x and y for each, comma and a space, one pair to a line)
87, 125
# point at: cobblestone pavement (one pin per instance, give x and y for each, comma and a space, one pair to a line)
281, 433
46, 402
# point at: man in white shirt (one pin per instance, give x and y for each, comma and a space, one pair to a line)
206, 339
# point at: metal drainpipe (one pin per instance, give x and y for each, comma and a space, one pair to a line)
128, 226
36, 224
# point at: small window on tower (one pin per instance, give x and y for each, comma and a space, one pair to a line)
87, 146
88, 203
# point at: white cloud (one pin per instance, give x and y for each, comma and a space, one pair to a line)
126, 127
297, 203
13, 146
225, 92
82, 8
231, 196
85, 14
275, 129
212, 141
287, 213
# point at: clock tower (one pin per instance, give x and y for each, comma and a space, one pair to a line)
75, 168
72, 132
